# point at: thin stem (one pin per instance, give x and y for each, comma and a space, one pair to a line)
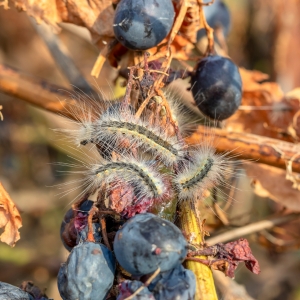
251, 228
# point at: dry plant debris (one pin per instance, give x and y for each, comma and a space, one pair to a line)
10, 219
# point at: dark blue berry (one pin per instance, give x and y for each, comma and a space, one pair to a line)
217, 16
147, 242
178, 283
217, 87
82, 235
88, 273
10, 292
141, 25
128, 287
86, 206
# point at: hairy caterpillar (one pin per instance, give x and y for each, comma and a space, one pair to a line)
109, 123
142, 177
134, 177
126, 172
113, 127
203, 170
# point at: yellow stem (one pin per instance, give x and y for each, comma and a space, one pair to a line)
191, 226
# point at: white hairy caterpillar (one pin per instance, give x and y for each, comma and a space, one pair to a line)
202, 170
114, 126
109, 123
142, 177
146, 182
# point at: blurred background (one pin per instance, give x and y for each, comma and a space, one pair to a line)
264, 35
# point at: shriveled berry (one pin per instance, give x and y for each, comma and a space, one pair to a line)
11, 292
67, 231
147, 242
86, 206
88, 273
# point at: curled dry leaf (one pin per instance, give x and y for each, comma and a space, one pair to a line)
226, 257
236, 252
271, 182
10, 219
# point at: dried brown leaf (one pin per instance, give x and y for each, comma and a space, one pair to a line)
266, 110
236, 252
271, 182
95, 15
251, 79
4, 3
10, 219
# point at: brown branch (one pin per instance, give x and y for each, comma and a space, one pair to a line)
251, 228
37, 92
247, 146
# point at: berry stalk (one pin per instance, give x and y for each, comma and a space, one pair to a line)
190, 225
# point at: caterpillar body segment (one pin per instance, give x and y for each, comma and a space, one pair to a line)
114, 128
141, 177
203, 170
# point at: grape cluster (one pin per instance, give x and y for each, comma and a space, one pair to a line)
89, 271
143, 245
146, 243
